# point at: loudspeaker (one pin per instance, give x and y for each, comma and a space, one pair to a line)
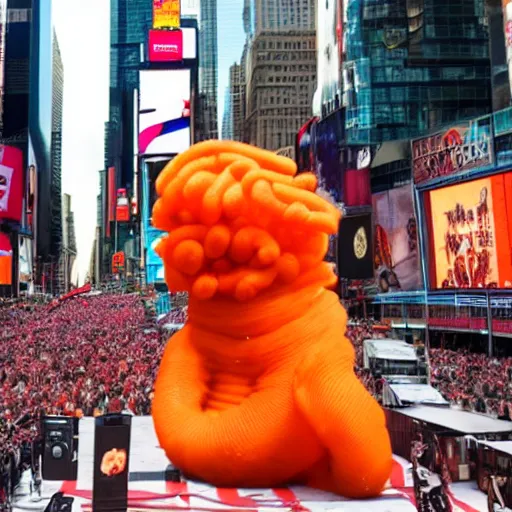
111, 461
60, 448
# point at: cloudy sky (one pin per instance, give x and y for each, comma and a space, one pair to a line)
83, 33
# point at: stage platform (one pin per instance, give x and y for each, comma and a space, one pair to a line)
149, 491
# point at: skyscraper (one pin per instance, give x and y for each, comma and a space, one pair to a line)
27, 109
280, 70
227, 118
130, 21
56, 150
206, 124
412, 66
234, 110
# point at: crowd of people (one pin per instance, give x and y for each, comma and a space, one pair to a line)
100, 353
89, 355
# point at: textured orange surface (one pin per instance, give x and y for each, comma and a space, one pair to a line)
258, 388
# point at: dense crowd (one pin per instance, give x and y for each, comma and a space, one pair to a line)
474, 382
100, 353
88, 356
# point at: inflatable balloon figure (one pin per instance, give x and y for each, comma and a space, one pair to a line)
258, 388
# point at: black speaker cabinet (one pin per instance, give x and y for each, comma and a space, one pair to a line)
111, 460
60, 448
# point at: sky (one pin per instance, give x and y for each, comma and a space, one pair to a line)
83, 33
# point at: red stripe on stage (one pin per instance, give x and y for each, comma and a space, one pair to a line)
178, 488
397, 475
288, 498
232, 498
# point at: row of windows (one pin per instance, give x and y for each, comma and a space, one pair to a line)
399, 74
265, 56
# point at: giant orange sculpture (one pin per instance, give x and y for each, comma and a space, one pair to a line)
258, 388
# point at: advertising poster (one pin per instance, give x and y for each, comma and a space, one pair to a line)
166, 13
122, 206
507, 21
328, 54
25, 260
355, 247
470, 234
5, 260
396, 260
454, 151
11, 183
154, 264
164, 112
165, 45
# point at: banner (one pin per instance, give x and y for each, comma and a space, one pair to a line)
5, 260
118, 262
355, 247
11, 183
165, 45
154, 265
470, 234
454, 151
164, 112
166, 13
396, 259
122, 206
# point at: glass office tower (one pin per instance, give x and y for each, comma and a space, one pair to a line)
413, 65
130, 21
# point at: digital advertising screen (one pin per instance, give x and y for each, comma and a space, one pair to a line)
470, 234
166, 13
25, 260
165, 45
154, 264
164, 112
355, 247
11, 183
396, 259
328, 55
5, 260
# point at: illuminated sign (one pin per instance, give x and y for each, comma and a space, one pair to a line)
166, 13
452, 152
165, 45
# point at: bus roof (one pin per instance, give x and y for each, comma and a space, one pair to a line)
395, 350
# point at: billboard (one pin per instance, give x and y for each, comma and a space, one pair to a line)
166, 13
5, 260
118, 262
25, 260
154, 264
355, 247
507, 21
111, 197
165, 45
11, 183
470, 234
396, 260
328, 55
164, 111
122, 206
454, 151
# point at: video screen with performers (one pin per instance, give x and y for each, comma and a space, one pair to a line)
396, 259
470, 234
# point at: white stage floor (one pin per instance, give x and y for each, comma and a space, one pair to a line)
152, 491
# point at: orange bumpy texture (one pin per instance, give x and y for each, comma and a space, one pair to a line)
258, 388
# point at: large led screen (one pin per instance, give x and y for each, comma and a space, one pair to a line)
5, 260
11, 183
164, 112
470, 234
396, 259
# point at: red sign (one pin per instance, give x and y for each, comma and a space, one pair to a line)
118, 262
11, 183
123, 207
165, 45
5, 260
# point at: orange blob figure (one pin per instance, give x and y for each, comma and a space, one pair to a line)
258, 388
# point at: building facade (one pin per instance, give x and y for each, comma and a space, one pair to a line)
280, 87
207, 115
409, 67
69, 250
234, 110
56, 150
130, 21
